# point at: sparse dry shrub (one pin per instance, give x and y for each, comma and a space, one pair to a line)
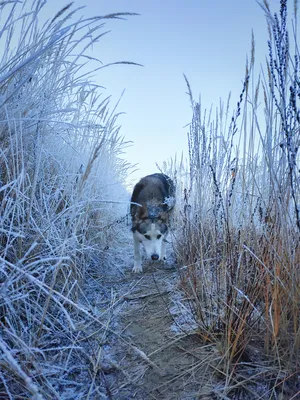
238, 237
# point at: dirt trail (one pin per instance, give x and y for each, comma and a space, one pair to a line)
146, 355
134, 345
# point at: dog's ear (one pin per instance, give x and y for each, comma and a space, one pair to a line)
142, 213
163, 226
135, 224
163, 216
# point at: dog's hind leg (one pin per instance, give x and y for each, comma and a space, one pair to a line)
137, 256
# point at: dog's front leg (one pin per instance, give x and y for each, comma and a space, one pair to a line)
163, 249
137, 256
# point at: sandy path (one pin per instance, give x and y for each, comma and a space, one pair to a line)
139, 350
148, 356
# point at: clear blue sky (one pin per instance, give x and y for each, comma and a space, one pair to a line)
206, 40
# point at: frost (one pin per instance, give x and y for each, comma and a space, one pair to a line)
183, 318
62, 204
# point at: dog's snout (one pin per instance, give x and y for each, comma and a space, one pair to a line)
155, 257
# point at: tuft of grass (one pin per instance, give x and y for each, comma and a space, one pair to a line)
61, 170
238, 232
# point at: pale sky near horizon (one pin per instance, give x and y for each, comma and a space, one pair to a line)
206, 40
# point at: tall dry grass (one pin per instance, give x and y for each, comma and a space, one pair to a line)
239, 233
61, 173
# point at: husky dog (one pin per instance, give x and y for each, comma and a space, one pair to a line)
152, 200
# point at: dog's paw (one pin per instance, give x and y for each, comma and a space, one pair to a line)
137, 268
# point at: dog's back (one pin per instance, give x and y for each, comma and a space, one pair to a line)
154, 194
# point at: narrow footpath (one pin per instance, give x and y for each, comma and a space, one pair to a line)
144, 353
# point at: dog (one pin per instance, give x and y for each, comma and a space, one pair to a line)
152, 201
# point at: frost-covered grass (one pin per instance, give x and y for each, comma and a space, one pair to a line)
238, 237
61, 174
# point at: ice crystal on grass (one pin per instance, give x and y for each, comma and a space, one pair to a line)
61, 170
238, 224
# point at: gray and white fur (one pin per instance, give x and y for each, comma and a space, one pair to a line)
152, 201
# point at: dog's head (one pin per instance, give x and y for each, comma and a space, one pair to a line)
151, 210
151, 233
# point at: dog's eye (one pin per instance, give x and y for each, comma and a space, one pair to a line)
158, 236
147, 237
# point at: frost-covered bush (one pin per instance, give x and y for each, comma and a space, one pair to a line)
61, 174
238, 237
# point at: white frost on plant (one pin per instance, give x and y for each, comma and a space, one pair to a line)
61, 191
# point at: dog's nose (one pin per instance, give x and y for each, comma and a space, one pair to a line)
155, 257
